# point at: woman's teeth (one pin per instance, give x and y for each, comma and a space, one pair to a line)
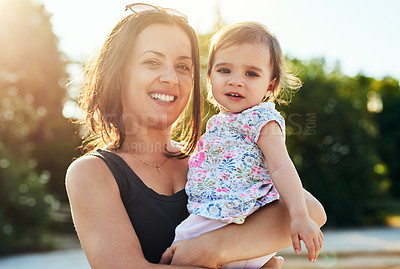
162, 97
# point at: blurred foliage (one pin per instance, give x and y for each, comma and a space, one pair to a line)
36, 142
332, 139
389, 136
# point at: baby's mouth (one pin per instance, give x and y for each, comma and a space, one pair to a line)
234, 95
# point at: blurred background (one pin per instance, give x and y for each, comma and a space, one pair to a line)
343, 125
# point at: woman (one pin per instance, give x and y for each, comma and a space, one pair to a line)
136, 89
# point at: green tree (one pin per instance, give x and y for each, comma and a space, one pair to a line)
36, 141
331, 138
388, 90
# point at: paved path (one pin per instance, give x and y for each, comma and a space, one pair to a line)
377, 248
361, 240
62, 259
344, 249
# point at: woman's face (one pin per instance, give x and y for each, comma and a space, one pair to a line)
157, 77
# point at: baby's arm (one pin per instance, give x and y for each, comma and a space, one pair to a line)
288, 184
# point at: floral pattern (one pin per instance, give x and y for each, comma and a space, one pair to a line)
228, 177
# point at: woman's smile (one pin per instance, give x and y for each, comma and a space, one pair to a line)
163, 97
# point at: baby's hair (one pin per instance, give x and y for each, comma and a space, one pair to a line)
286, 83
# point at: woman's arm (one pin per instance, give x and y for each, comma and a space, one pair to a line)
101, 221
265, 231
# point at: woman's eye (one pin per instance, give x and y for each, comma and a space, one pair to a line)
251, 74
224, 70
151, 63
184, 67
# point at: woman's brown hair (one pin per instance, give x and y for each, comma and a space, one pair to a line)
100, 96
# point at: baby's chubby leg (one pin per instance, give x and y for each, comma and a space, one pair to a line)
255, 263
274, 263
196, 225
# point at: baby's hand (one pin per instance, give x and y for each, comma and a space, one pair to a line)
305, 229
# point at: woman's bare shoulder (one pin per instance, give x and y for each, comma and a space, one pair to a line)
86, 165
86, 171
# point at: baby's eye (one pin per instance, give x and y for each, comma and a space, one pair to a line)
224, 70
251, 74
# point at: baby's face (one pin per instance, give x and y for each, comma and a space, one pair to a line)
240, 76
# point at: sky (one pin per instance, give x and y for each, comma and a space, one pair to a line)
363, 36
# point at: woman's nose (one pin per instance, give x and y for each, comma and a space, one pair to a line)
169, 76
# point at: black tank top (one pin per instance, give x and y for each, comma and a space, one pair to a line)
154, 216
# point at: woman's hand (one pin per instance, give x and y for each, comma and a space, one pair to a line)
193, 251
305, 229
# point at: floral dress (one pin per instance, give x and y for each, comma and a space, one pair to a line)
228, 177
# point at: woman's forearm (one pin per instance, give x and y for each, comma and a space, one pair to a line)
264, 232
